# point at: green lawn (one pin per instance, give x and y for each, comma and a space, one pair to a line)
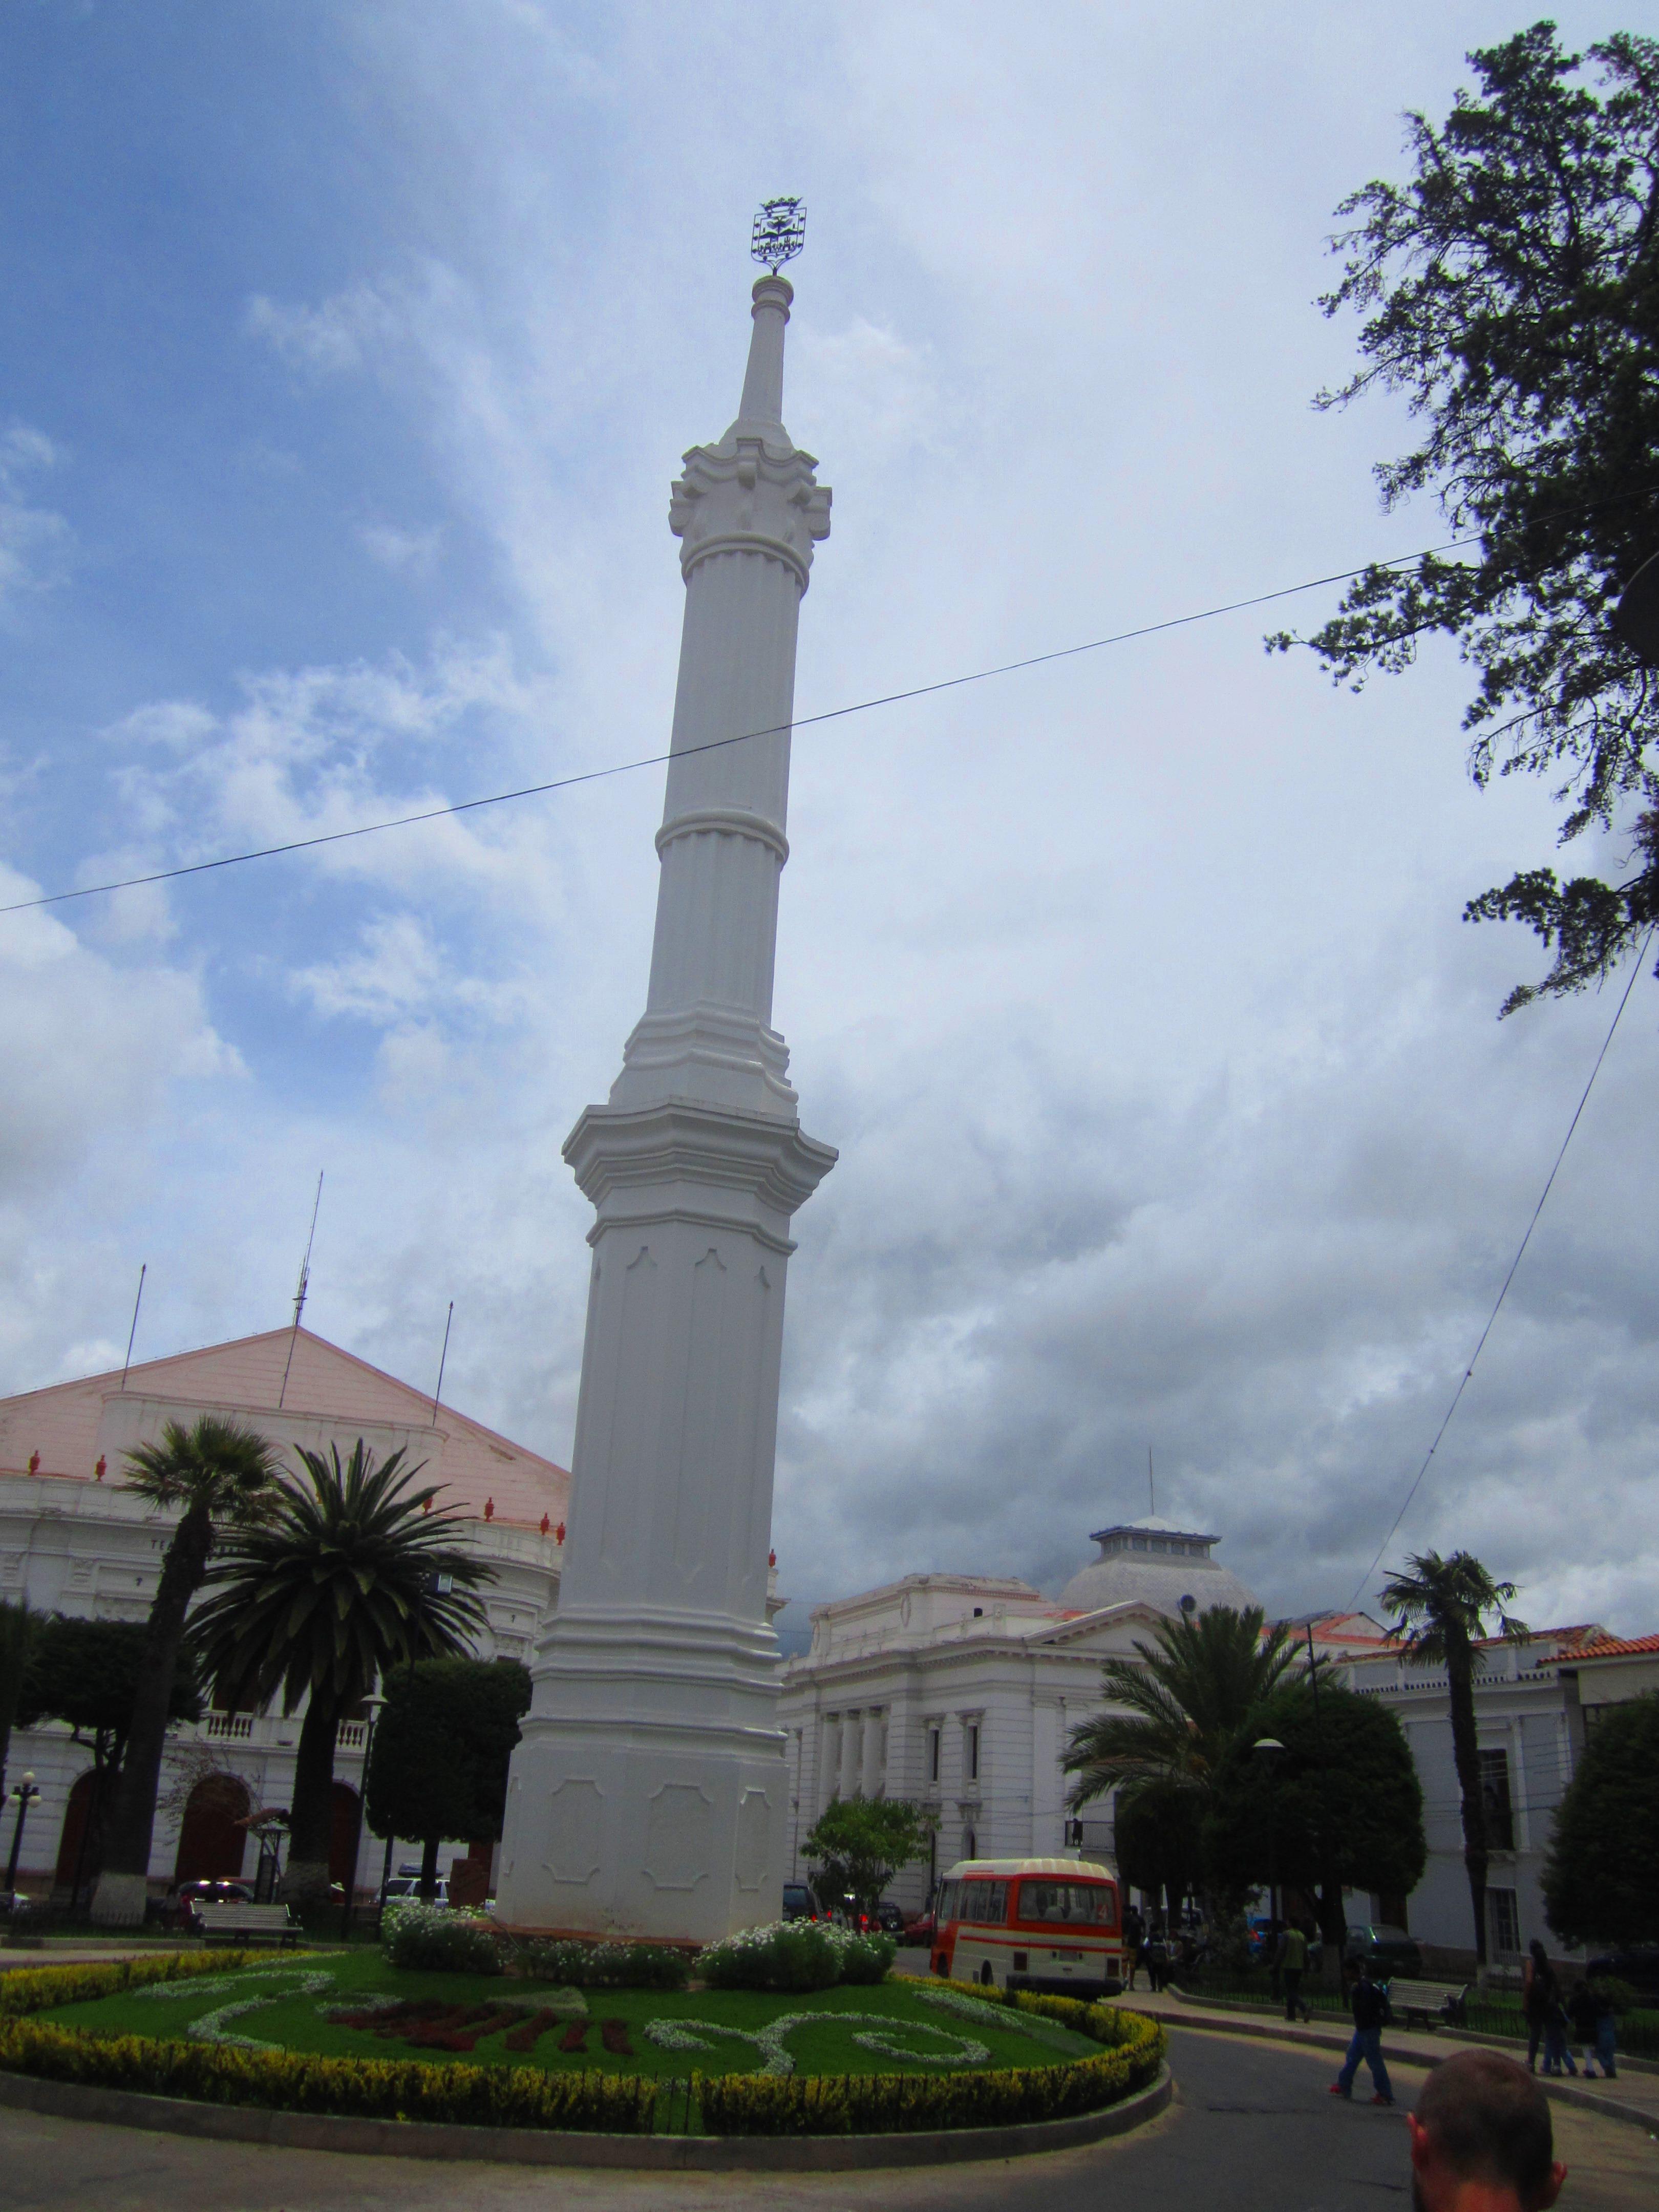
294, 2017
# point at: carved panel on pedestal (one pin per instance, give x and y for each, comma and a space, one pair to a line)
754, 1838
705, 1402
678, 1836
632, 1410
575, 1813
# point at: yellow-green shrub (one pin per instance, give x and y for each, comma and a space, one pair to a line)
37, 1989
300, 2082
884, 2104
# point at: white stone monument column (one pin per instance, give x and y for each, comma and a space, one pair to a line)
649, 1794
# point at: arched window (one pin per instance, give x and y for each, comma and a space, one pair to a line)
210, 1844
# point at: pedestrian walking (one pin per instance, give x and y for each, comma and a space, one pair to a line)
1370, 2014
1293, 1963
1480, 2134
1157, 1961
1581, 2017
1606, 2031
1134, 1936
1546, 2016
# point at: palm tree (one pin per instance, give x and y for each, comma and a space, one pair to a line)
1182, 1704
1441, 1605
353, 1574
224, 1477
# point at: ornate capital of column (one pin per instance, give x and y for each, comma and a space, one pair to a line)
748, 496
681, 1162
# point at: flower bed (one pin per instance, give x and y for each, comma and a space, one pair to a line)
310, 2033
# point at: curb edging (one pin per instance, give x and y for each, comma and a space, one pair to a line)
134, 2108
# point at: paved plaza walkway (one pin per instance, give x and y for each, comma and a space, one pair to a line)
1252, 2129
1632, 2097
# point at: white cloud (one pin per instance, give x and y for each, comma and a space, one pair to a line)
327, 340
35, 544
406, 552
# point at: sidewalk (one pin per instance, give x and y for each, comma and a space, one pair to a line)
1633, 2096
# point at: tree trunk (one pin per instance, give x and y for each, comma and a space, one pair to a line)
1459, 1685
311, 1818
123, 1883
430, 1869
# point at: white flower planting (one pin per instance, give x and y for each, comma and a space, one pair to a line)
1033, 2024
212, 2026
770, 2040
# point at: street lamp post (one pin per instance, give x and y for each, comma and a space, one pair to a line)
372, 1702
25, 1793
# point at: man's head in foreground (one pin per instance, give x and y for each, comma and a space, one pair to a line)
1480, 2139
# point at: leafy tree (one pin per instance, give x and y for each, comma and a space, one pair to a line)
1441, 1606
1175, 1711
17, 1626
1341, 1809
1511, 289
353, 1574
1155, 1841
223, 1476
860, 1843
86, 1673
1602, 1876
1179, 1703
441, 1748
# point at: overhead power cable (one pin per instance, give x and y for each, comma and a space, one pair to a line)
776, 729
1549, 1181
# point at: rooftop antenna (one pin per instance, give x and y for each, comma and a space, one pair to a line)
442, 1357
133, 1331
779, 233
299, 1295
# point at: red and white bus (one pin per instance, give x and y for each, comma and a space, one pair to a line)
1052, 1924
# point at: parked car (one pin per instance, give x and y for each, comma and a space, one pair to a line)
1387, 1951
798, 1903
889, 1917
220, 1892
921, 1929
1639, 1966
409, 1885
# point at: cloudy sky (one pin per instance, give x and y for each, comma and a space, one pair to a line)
349, 350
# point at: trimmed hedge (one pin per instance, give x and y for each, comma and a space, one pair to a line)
581, 1965
886, 2103
418, 1936
37, 1989
363, 2088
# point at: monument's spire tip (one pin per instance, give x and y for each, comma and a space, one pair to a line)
778, 233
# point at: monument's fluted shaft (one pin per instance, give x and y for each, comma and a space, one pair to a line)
648, 1793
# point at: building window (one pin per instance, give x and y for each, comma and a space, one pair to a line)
932, 1755
1495, 1796
972, 1760
1504, 1923
969, 1844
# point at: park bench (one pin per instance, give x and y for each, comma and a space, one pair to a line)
247, 1923
1437, 2004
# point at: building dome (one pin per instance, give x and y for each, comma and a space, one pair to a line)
1157, 1564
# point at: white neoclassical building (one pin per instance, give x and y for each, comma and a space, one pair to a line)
75, 1540
961, 1691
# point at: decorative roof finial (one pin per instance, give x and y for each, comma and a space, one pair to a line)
779, 233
